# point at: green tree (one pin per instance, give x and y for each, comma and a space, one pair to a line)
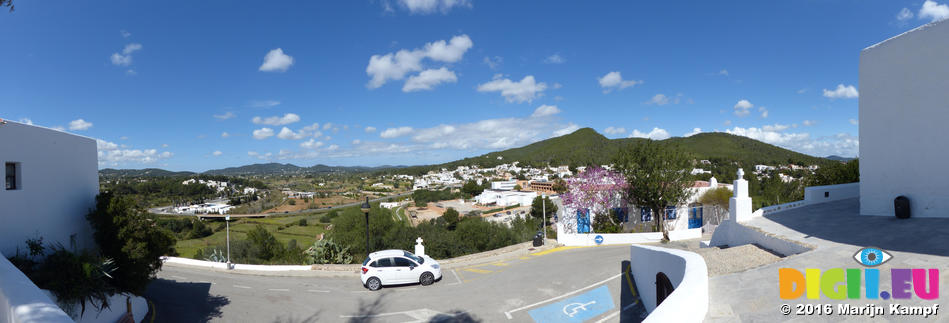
452, 218
836, 173
131, 238
717, 197
264, 245
517, 187
538, 206
657, 176
471, 189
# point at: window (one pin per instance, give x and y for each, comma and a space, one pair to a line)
826, 194
12, 178
402, 262
384, 262
670, 213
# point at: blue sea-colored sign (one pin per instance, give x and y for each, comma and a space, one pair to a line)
598, 239
576, 309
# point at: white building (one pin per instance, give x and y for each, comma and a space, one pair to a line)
505, 198
51, 183
696, 171
903, 118
503, 185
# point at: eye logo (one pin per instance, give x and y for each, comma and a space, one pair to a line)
871, 257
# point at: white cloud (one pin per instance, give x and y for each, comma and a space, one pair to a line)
264, 104
370, 129
110, 153
356, 141
430, 6
225, 134
723, 72
217, 153
525, 90
332, 147
394, 66
545, 110
327, 126
694, 131
263, 133
841, 144
276, 61
615, 130
655, 134
570, 128
125, 59
854, 122
125, 34
494, 62
808, 123
79, 124
288, 134
164, 145
904, 14
311, 144
259, 155
933, 10
395, 132
764, 112
743, 108
662, 99
277, 120
428, 79
225, 116
846, 92
555, 59
614, 80
801, 91
131, 72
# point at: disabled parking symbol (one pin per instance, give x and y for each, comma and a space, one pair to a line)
576, 309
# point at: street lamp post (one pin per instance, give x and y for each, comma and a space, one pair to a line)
227, 223
543, 203
365, 209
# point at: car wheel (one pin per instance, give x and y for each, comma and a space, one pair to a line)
427, 279
373, 283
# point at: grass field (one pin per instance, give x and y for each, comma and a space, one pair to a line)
284, 228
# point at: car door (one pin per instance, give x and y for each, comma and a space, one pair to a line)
385, 271
405, 270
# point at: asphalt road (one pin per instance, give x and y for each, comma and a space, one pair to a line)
166, 209
562, 284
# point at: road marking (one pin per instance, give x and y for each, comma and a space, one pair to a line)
550, 251
456, 276
317, 291
609, 316
508, 313
480, 271
178, 277
525, 257
500, 264
242, 286
278, 289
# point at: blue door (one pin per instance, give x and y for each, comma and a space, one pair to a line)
695, 217
583, 221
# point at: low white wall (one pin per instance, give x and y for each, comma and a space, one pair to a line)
685, 234
221, 265
589, 239
815, 194
734, 234
780, 207
22, 301
687, 272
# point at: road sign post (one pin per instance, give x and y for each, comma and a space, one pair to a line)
227, 222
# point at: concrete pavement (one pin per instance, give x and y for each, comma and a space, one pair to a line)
518, 288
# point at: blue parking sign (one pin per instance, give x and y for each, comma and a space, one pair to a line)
576, 309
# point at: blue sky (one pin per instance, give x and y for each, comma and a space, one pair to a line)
212, 84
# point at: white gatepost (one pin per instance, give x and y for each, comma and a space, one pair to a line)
739, 205
419, 248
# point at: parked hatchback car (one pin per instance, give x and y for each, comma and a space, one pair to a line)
392, 267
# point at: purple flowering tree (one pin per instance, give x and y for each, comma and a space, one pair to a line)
595, 189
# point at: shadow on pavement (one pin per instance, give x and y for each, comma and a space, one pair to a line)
841, 222
372, 311
631, 306
290, 319
184, 301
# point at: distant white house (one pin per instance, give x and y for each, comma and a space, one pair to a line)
505, 198
51, 182
903, 118
503, 185
697, 171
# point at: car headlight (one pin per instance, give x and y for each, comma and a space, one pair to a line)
434, 266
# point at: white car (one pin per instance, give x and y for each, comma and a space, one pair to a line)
391, 267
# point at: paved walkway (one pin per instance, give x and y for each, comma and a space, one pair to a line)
838, 231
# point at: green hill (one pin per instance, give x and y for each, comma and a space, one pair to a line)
586, 147
147, 172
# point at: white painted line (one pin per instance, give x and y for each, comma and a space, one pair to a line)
317, 291
608, 317
456, 276
178, 277
508, 313
242, 286
278, 289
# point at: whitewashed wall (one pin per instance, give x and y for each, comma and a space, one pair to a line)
904, 110
827, 193
22, 301
59, 183
688, 273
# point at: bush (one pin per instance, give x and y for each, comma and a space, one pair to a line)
264, 245
302, 222
327, 252
292, 202
130, 237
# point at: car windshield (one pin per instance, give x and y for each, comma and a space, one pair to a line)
364, 262
417, 259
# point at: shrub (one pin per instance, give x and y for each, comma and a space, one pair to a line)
292, 202
130, 237
264, 245
302, 222
327, 252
